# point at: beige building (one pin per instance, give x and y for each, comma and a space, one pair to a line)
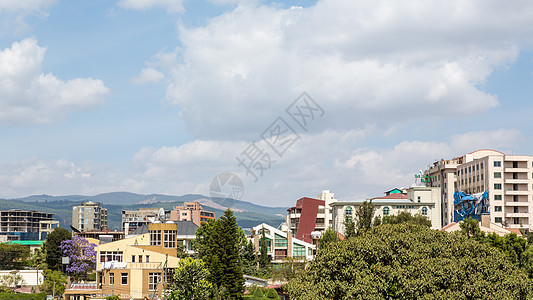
417, 200
89, 216
22, 225
133, 219
142, 265
282, 245
191, 211
508, 180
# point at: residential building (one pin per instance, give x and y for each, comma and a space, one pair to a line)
191, 211
328, 198
281, 244
142, 265
89, 216
133, 219
416, 200
508, 180
101, 236
306, 217
21, 225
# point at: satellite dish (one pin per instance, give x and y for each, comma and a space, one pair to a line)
162, 214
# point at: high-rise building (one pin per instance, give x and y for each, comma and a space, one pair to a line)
21, 225
508, 180
133, 219
89, 216
191, 211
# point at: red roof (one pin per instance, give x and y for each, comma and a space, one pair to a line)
392, 196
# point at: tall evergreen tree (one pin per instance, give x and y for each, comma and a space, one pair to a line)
263, 259
53, 253
364, 216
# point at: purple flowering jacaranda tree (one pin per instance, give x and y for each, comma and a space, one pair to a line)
82, 257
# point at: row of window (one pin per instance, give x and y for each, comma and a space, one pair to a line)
153, 280
386, 210
169, 238
470, 169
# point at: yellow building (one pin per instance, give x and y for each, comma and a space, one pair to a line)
141, 266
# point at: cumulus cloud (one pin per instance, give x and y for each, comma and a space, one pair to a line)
13, 14
381, 62
171, 6
148, 75
29, 96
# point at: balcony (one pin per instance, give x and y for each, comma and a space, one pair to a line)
518, 203
517, 215
516, 181
515, 170
513, 192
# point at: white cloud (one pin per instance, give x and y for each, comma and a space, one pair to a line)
380, 62
13, 14
148, 75
171, 6
28, 96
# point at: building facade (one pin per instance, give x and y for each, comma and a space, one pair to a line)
281, 244
417, 200
142, 265
89, 216
133, 219
191, 211
21, 225
508, 180
308, 216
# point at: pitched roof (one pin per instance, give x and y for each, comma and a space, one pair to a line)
392, 196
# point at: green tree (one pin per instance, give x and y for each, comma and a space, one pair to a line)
13, 256
329, 237
408, 261
364, 215
218, 245
190, 280
470, 228
38, 259
263, 258
10, 281
54, 282
53, 241
404, 217
349, 228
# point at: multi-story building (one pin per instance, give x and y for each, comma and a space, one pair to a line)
416, 200
191, 211
281, 244
133, 219
89, 216
21, 225
307, 219
142, 265
508, 180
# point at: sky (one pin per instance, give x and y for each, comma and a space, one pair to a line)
293, 97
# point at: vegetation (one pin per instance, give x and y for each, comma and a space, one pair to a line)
112, 297
190, 281
409, 261
259, 293
404, 217
53, 252
329, 236
288, 269
363, 217
9, 296
263, 258
54, 282
82, 257
218, 245
13, 256
9, 282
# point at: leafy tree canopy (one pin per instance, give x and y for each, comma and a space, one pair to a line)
190, 280
53, 253
409, 261
13, 256
404, 217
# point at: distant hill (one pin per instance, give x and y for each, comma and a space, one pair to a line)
247, 214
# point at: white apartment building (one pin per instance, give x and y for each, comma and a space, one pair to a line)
281, 244
417, 200
508, 180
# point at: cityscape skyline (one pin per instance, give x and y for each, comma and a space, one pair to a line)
163, 96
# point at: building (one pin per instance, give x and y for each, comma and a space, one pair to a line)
142, 265
416, 200
191, 211
101, 236
133, 219
89, 216
485, 226
281, 244
308, 216
508, 180
21, 225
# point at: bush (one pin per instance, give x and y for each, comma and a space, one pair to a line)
40, 296
113, 297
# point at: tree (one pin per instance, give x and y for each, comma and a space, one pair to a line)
263, 259
190, 280
363, 216
38, 259
54, 282
9, 282
409, 261
329, 237
470, 228
53, 253
218, 245
405, 216
13, 256
349, 228
82, 257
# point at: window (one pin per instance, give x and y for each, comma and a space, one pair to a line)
497, 163
309, 251
169, 238
481, 166
386, 211
497, 186
477, 177
153, 280
424, 211
111, 278
140, 258
481, 176
516, 221
516, 210
515, 198
515, 164
279, 241
348, 214
123, 278
497, 197
497, 208
470, 169
111, 256
147, 258
133, 258
477, 167
155, 237
461, 171
498, 220
497, 175
418, 199
298, 251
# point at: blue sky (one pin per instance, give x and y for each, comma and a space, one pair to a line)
161, 96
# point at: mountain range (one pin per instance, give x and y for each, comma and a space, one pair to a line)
247, 213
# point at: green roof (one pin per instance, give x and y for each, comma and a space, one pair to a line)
28, 243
